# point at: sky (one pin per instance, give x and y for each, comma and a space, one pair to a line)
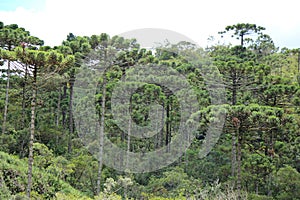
52, 20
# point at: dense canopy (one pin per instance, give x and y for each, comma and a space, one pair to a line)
44, 154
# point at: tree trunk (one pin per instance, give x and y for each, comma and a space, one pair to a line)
233, 154
234, 88
6, 101
128, 151
167, 126
58, 108
242, 40
233, 142
157, 138
101, 137
24, 98
22, 152
63, 109
239, 162
128, 141
161, 134
70, 115
32, 129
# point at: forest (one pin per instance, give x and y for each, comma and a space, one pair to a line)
237, 135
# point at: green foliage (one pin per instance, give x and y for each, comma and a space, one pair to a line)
287, 183
259, 197
14, 178
4, 190
240, 30
262, 93
172, 184
218, 191
62, 196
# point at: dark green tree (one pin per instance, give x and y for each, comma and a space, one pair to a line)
12, 36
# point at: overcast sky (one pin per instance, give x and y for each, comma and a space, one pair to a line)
52, 20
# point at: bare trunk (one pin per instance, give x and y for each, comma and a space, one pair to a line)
128, 151
70, 116
101, 137
58, 108
161, 134
167, 127
24, 98
239, 163
63, 109
32, 129
242, 40
233, 142
233, 154
58, 114
234, 89
128, 142
6, 101
157, 138
22, 152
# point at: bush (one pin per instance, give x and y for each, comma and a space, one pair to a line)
4, 191
62, 196
13, 178
259, 197
287, 184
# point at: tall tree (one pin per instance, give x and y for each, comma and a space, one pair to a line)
241, 72
44, 64
241, 30
12, 36
78, 47
6, 55
106, 53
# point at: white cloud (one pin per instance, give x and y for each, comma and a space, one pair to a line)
193, 18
